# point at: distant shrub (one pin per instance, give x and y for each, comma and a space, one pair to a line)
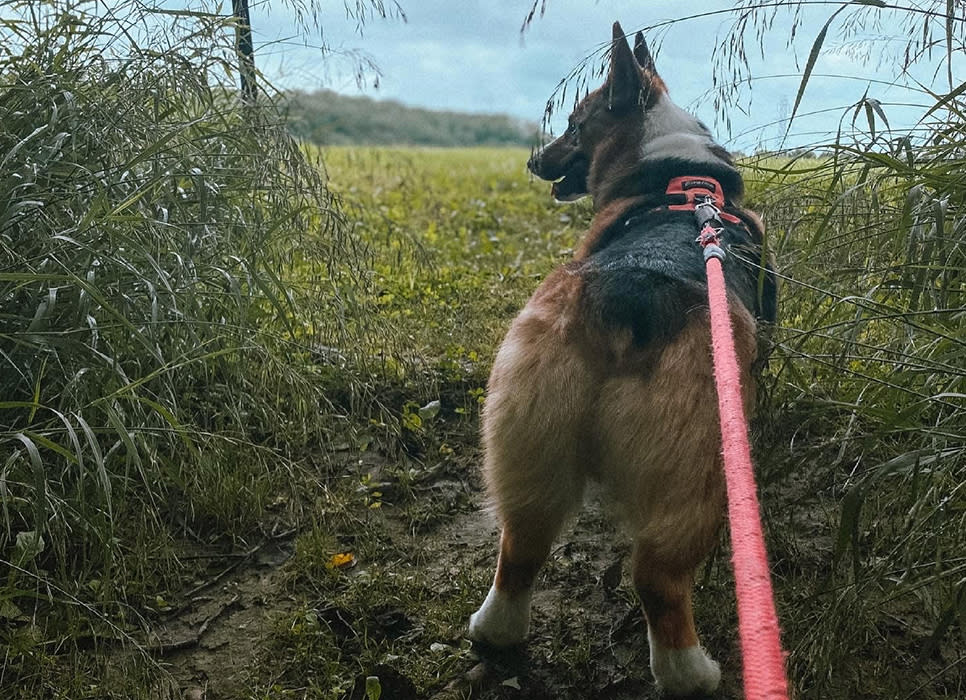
326, 118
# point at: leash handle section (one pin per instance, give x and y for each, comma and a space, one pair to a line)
763, 659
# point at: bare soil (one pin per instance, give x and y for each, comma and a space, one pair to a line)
214, 643
588, 637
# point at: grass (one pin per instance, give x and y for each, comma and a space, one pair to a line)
872, 380
150, 353
860, 496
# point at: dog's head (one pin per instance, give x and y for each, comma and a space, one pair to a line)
606, 125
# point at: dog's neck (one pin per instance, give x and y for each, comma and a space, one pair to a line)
673, 143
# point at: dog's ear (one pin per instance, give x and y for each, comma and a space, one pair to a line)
643, 56
624, 79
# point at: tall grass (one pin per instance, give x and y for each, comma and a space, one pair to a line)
151, 382
870, 364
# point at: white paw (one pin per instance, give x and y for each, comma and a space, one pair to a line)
502, 620
683, 671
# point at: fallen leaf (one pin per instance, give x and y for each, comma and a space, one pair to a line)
341, 560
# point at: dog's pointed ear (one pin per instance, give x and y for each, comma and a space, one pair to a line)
641, 53
624, 79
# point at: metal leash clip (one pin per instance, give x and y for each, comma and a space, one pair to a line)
709, 238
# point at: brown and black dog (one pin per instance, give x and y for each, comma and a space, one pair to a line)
606, 374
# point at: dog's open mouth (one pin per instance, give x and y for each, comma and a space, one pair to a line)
573, 184
569, 185
569, 188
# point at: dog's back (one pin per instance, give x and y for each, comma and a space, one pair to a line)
651, 276
606, 375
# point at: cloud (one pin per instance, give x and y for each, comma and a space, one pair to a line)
471, 56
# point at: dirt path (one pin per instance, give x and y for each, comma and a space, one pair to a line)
211, 645
587, 635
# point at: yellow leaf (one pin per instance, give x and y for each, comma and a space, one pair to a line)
341, 560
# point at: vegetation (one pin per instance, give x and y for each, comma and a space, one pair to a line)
871, 364
326, 118
152, 383
208, 349
859, 495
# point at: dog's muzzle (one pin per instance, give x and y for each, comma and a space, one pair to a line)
533, 165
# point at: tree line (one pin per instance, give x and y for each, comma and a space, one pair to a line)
328, 118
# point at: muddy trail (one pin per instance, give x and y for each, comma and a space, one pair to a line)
240, 633
374, 590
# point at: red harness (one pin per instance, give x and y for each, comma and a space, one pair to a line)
698, 190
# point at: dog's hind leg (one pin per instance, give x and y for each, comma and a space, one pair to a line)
679, 664
661, 436
504, 617
660, 459
538, 392
534, 483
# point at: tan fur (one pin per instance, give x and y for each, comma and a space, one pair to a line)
569, 402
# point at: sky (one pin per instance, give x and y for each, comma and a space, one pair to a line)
470, 56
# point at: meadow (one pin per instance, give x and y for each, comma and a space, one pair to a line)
859, 480
240, 381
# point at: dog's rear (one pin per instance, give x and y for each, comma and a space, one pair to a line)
606, 373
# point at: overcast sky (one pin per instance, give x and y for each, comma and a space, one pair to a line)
470, 56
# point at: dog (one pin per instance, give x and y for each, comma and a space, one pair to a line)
606, 374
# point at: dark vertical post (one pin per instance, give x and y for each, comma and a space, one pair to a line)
245, 48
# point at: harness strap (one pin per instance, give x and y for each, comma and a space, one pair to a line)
699, 192
702, 195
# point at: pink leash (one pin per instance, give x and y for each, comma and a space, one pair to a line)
761, 651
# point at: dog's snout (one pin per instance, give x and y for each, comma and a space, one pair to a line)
534, 163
